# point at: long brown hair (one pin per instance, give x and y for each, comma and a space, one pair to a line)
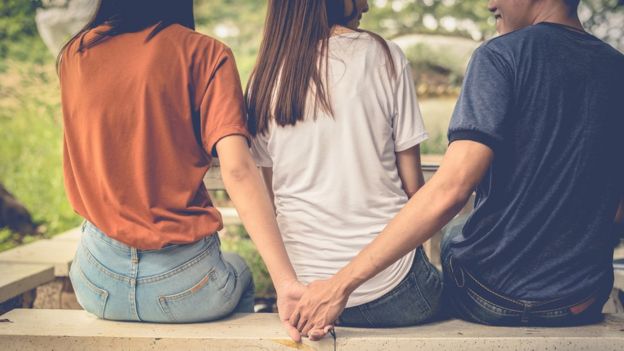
296, 36
124, 16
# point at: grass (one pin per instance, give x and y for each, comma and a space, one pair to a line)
31, 136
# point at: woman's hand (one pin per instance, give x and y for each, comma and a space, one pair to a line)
288, 295
319, 308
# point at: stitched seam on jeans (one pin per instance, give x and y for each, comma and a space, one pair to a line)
489, 306
569, 306
490, 291
102, 268
95, 289
192, 290
91, 286
188, 264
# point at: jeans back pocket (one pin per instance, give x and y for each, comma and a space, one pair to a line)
91, 297
204, 301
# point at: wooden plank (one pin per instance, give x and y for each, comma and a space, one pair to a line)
18, 278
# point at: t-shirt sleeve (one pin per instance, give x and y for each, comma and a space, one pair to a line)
260, 150
484, 104
222, 107
408, 127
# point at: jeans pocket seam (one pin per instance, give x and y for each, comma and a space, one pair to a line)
100, 267
489, 306
210, 276
181, 268
102, 293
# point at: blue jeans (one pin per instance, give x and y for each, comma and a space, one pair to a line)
415, 300
471, 300
176, 284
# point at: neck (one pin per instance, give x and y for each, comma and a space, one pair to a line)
557, 12
338, 29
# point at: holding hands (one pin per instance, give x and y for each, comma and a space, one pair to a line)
316, 310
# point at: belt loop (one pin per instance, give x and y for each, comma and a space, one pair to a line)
134, 255
526, 311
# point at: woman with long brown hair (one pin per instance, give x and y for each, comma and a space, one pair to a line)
336, 129
147, 104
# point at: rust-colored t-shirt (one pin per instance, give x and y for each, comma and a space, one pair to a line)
141, 119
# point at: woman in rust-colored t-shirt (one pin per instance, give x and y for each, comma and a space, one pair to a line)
147, 103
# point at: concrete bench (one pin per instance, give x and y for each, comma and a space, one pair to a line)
18, 278
58, 253
77, 330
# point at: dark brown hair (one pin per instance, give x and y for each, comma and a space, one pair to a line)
125, 16
296, 35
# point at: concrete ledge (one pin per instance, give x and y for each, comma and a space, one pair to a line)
17, 278
58, 253
459, 335
78, 330
72, 235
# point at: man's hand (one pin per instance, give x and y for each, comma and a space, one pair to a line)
319, 307
288, 295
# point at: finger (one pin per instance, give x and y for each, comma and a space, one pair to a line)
316, 334
292, 332
306, 329
302, 323
294, 318
328, 328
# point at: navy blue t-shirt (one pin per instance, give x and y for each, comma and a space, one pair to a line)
549, 101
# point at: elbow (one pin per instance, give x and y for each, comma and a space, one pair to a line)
453, 197
238, 172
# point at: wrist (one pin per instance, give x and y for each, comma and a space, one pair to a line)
283, 285
345, 282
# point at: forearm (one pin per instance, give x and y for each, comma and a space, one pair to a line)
425, 214
410, 170
432, 207
247, 190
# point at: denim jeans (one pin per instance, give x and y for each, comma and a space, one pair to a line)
415, 300
176, 284
471, 300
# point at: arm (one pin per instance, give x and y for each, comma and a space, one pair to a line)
426, 213
410, 171
267, 175
244, 185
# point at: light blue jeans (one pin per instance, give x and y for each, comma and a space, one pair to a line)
176, 284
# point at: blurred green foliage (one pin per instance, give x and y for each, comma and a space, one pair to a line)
17, 20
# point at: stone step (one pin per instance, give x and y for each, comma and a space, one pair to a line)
70, 235
77, 330
18, 278
58, 253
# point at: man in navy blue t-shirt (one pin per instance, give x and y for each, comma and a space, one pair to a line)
538, 132
547, 99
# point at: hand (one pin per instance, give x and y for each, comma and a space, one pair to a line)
288, 294
318, 308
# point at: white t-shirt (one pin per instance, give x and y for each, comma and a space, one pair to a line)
335, 178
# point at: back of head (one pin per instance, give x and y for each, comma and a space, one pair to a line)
127, 16
293, 48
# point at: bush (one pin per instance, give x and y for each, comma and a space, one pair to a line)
17, 20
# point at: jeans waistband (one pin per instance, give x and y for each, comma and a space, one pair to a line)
464, 279
89, 228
